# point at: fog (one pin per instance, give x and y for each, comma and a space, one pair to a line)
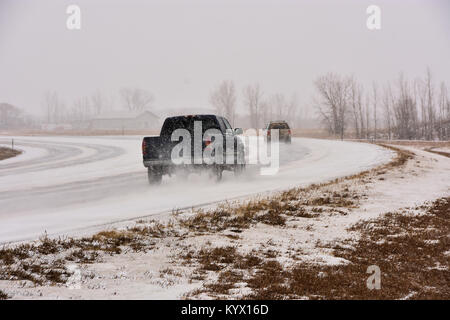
180, 50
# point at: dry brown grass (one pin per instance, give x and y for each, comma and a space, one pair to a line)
3, 296
442, 153
44, 262
295, 202
416, 143
272, 210
6, 153
410, 249
230, 265
312, 133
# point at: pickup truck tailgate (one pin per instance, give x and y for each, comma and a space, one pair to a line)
157, 148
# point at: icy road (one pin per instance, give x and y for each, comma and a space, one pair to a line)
64, 185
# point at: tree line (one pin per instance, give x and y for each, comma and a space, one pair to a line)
260, 107
84, 108
403, 110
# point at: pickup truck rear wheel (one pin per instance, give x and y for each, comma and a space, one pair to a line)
154, 177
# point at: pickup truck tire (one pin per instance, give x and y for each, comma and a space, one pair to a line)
154, 177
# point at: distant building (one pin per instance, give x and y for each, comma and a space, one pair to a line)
144, 120
56, 126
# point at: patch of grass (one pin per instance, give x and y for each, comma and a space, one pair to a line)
335, 200
48, 246
269, 281
9, 255
81, 256
6, 153
19, 274
170, 272
445, 154
295, 202
270, 210
36, 262
215, 259
225, 282
248, 261
411, 250
3, 296
230, 265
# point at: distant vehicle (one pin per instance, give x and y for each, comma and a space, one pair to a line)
157, 151
283, 129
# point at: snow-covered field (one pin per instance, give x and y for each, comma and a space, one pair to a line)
74, 185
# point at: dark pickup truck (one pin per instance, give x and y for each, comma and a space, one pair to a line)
192, 143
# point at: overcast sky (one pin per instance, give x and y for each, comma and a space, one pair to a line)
180, 49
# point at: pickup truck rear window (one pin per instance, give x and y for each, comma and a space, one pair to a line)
278, 126
187, 122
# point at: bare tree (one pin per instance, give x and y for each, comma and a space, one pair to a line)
364, 126
387, 98
292, 109
10, 116
410, 110
444, 113
54, 108
405, 111
223, 98
98, 103
81, 109
367, 109
135, 99
375, 104
280, 107
252, 99
356, 92
334, 92
266, 111
430, 104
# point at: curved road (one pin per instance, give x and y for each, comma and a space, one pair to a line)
63, 184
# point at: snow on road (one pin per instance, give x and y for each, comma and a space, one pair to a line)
61, 185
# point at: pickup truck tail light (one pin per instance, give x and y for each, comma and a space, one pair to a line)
144, 146
289, 131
